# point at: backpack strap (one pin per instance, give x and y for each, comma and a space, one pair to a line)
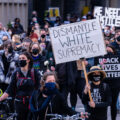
17, 75
32, 75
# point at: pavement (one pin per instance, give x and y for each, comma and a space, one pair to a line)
80, 108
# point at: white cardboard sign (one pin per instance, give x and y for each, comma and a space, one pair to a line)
77, 40
107, 16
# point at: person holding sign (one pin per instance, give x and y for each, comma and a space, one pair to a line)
48, 99
100, 93
110, 64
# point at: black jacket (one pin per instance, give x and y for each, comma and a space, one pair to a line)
21, 85
101, 95
38, 63
55, 105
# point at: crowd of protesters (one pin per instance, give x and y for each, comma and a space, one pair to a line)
26, 62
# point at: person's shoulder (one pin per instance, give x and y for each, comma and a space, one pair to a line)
114, 43
1, 52
16, 55
17, 70
16, 73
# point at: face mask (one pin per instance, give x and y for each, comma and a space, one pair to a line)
22, 63
33, 15
46, 29
96, 78
18, 48
10, 49
50, 88
109, 53
35, 51
42, 36
10, 32
4, 41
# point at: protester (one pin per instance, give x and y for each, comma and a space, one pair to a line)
100, 93
71, 79
8, 59
5, 38
116, 45
111, 80
26, 44
50, 57
48, 99
3, 32
43, 42
17, 29
38, 58
23, 81
76, 80
17, 20
58, 21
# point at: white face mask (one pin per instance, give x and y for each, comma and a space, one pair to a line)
10, 32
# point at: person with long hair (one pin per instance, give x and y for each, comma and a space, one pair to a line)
100, 93
48, 99
38, 58
23, 82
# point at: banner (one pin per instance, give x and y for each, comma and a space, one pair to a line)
107, 16
111, 66
77, 40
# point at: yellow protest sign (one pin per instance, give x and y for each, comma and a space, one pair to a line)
85, 10
54, 12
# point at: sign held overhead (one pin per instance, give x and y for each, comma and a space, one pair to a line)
77, 40
107, 16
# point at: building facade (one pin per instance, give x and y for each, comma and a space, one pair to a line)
10, 9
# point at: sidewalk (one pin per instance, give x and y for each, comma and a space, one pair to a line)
80, 108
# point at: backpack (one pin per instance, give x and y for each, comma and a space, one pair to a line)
32, 76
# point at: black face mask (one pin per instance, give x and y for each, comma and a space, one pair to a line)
10, 49
33, 15
35, 51
43, 36
19, 48
110, 53
96, 78
50, 88
22, 63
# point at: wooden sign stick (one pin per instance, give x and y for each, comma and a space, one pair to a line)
86, 79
